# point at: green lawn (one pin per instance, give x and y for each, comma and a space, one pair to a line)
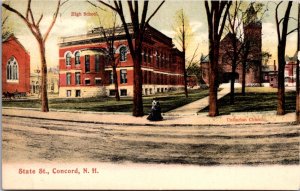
168, 102
256, 99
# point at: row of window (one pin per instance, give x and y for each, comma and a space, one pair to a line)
161, 58
98, 81
77, 93
12, 70
122, 58
123, 92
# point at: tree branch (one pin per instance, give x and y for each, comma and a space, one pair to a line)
53, 21
38, 23
93, 4
108, 5
154, 12
277, 22
224, 18
295, 29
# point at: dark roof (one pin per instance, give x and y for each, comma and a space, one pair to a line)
204, 58
292, 58
91, 35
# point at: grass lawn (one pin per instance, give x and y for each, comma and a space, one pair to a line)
168, 102
256, 99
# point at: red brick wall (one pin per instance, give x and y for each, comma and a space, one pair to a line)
171, 66
10, 48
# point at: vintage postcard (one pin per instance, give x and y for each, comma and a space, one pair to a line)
172, 94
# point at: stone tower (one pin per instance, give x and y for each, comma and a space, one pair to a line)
253, 34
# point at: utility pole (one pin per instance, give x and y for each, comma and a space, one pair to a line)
297, 73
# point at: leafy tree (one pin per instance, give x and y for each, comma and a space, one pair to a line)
183, 36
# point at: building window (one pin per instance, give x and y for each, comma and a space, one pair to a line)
78, 93
112, 92
12, 70
97, 63
87, 63
145, 55
68, 78
77, 78
123, 92
68, 59
123, 56
87, 82
69, 93
111, 77
149, 56
98, 81
123, 79
77, 58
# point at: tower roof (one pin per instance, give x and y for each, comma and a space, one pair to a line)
251, 16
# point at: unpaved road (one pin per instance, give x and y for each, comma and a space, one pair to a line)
36, 140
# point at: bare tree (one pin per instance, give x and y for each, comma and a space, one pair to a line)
235, 30
108, 29
183, 36
281, 47
216, 13
6, 30
242, 44
135, 42
34, 25
297, 73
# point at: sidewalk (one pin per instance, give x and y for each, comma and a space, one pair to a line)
194, 107
127, 119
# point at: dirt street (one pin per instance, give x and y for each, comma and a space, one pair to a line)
36, 140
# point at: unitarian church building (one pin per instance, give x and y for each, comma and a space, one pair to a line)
83, 71
252, 34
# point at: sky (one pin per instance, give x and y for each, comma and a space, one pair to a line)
68, 25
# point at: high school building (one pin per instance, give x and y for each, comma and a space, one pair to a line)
15, 67
84, 72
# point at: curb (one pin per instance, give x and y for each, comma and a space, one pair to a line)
148, 124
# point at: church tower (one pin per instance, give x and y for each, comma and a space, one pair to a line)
253, 34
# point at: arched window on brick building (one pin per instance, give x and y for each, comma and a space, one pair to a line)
68, 59
123, 53
77, 58
12, 70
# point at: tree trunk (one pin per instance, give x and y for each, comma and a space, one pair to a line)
138, 110
213, 80
281, 87
115, 76
244, 78
297, 74
185, 76
232, 83
44, 96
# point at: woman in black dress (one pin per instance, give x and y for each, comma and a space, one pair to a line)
155, 114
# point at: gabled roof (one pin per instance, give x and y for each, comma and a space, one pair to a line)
12, 37
204, 58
